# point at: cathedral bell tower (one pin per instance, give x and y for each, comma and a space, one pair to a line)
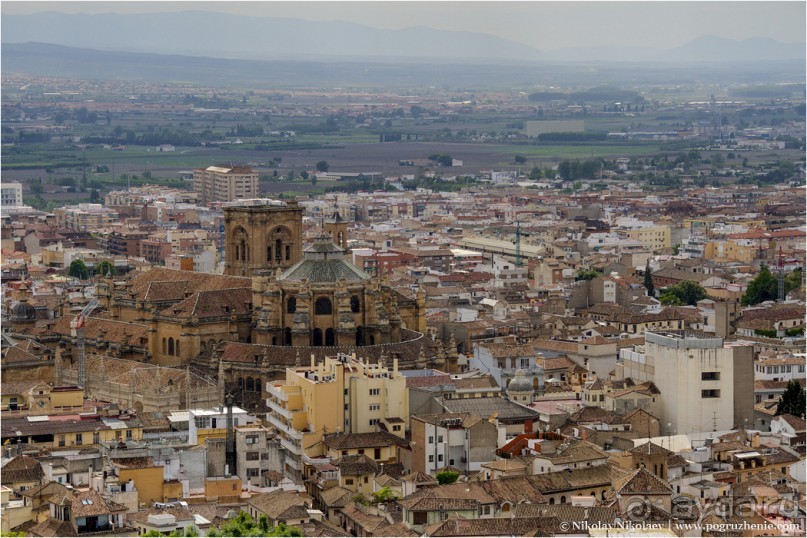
262, 234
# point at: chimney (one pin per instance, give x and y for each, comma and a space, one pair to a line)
49, 472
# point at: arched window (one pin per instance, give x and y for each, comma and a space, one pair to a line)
288, 252
287, 336
291, 305
506, 507
268, 254
278, 249
317, 337
330, 339
563, 499
258, 385
250, 384
170, 346
243, 250
178, 352
355, 304
359, 336
165, 346
552, 500
323, 306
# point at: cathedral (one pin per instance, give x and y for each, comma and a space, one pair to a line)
279, 303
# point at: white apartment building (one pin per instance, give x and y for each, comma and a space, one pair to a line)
11, 194
225, 184
705, 383
782, 368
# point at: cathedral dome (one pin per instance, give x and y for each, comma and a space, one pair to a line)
520, 383
323, 261
23, 311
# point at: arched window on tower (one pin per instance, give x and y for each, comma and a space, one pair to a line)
250, 384
360, 336
291, 305
355, 304
287, 336
243, 250
317, 337
269, 254
330, 338
323, 306
171, 346
278, 250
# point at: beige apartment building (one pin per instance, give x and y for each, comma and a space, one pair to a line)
340, 395
85, 217
225, 184
651, 237
705, 383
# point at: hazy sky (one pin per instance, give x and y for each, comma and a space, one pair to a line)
543, 25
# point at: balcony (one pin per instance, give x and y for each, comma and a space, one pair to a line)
277, 409
291, 447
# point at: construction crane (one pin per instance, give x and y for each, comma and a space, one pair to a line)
77, 331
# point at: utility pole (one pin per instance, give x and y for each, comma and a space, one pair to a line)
518, 244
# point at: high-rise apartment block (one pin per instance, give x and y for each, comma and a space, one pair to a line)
225, 183
338, 395
706, 384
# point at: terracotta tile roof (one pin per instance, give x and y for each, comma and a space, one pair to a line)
52, 527
120, 332
456, 496
18, 387
419, 478
346, 441
90, 503
640, 482
356, 465
212, 304
567, 512
280, 504
21, 469
649, 448
487, 406
337, 497
774, 313
475, 383
174, 285
572, 451
133, 463
425, 381
368, 522
591, 414
675, 460
797, 423
500, 526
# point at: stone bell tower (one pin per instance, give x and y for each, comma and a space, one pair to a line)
262, 234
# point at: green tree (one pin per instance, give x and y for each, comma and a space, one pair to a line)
793, 280
586, 274
762, 288
322, 166
685, 293
792, 401
648, 280
78, 269
105, 268
244, 525
447, 477
384, 495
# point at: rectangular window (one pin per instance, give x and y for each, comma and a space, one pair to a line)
439, 438
79, 439
375, 407
431, 439
61, 440
377, 453
711, 393
253, 456
373, 421
252, 439
439, 457
96, 438
375, 392
710, 376
431, 458
253, 472
129, 435
348, 481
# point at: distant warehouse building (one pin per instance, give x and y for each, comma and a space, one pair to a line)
225, 183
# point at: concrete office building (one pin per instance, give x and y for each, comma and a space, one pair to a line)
706, 384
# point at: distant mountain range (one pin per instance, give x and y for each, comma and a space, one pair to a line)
219, 35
